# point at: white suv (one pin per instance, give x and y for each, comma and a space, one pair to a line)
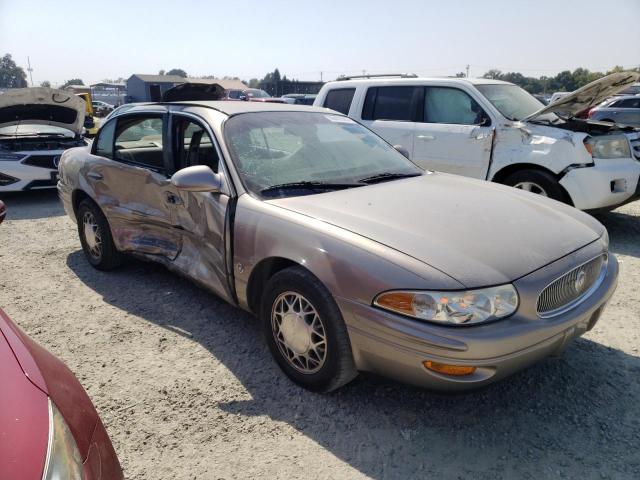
496, 131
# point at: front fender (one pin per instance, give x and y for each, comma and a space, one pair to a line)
349, 265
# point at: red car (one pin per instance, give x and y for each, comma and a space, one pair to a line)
3, 211
49, 429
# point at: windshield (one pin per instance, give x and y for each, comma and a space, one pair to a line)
256, 93
305, 150
512, 101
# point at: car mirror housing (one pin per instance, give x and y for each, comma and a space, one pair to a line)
402, 150
199, 178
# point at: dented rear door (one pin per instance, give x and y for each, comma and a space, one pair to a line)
131, 185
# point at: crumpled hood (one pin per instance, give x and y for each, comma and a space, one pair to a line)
477, 232
588, 96
42, 106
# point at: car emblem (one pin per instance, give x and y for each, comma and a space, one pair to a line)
581, 279
56, 161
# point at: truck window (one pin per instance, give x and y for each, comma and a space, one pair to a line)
389, 103
339, 99
452, 106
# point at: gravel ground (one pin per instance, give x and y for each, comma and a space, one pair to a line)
187, 388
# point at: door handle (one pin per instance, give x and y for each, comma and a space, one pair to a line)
95, 175
426, 138
172, 198
480, 136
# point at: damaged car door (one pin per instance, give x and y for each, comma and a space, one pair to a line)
129, 177
453, 134
200, 216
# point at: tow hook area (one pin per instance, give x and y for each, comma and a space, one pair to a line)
619, 185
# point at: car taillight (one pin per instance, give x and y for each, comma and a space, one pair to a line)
590, 114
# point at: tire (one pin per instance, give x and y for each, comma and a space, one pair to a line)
317, 369
537, 181
98, 249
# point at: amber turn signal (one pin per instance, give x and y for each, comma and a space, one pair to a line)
455, 370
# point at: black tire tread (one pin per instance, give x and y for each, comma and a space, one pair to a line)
297, 278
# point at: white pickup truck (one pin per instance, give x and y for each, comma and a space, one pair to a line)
496, 131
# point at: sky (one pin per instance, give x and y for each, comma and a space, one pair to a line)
97, 40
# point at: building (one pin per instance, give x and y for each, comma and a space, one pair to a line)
150, 88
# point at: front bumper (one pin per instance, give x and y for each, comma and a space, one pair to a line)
16, 176
609, 183
101, 462
396, 347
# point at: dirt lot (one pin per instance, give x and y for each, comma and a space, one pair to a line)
187, 389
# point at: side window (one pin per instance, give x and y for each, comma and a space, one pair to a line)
104, 142
138, 140
193, 145
339, 99
629, 103
453, 106
389, 103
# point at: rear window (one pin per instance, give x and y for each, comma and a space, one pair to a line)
389, 103
339, 99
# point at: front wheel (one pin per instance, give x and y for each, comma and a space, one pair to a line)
539, 182
305, 331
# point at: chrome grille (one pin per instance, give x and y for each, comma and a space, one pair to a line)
568, 290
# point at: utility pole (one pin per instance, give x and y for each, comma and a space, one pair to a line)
321, 77
468, 70
30, 70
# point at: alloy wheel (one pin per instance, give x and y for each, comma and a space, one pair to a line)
531, 187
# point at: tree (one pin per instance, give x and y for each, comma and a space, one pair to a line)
253, 83
177, 71
161, 72
46, 84
11, 75
461, 75
493, 74
73, 81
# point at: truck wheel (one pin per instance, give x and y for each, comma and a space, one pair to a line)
305, 331
95, 237
537, 181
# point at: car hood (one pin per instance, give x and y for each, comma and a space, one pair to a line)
477, 232
585, 97
44, 106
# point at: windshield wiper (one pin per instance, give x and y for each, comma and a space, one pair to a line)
384, 176
34, 134
308, 185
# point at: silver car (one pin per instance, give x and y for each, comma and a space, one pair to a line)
621, 110
352, 257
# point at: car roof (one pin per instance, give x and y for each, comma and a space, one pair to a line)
235, 108
415, 81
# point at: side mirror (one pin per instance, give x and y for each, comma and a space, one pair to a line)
402, 150
199, 178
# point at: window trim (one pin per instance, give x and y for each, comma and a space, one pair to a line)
422, 118
331, 90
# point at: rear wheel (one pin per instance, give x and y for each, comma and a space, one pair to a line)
305, 331
539, 182
95, 237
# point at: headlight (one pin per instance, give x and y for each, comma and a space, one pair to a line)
609, 147
63, 457
452, 308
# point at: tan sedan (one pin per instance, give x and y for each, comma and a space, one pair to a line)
351, 256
